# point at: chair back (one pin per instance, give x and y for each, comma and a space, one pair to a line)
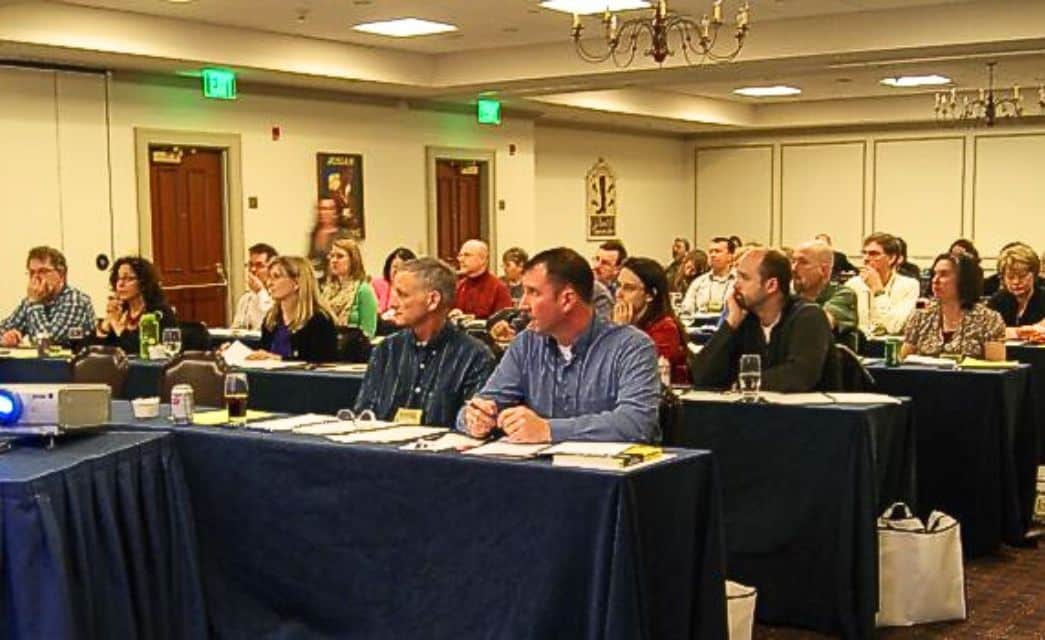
669, 416
102, 364
352, 345
853, 375
204, 371
194, 336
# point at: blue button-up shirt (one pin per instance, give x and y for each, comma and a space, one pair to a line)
607, 390
437, 377
70, 308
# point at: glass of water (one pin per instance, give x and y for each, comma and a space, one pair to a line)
750, 378
172, 341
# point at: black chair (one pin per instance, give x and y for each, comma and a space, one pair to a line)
854, 376
352, 345
204, 371
669, 415
102, 365
194, 336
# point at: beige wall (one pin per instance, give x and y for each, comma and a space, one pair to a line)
929, 186
56, 183
654, 189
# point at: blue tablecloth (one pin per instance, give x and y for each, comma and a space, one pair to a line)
977, 445
287, 391
97, 541
802, 487
302, 537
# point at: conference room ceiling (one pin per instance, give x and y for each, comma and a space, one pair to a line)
835, 51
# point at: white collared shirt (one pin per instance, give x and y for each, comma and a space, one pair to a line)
705, 288
888, 310
251, 310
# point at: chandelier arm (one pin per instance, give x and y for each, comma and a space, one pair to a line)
635, 30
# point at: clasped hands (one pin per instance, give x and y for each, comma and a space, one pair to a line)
519, 423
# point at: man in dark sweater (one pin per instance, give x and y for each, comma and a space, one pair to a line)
792, 336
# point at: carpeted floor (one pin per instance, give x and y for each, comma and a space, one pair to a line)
1006, 600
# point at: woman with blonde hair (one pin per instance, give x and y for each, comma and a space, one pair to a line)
346, 290
1020, 301
299, 326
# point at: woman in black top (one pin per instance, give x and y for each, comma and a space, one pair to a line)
136, 290
1021, 302
299, 326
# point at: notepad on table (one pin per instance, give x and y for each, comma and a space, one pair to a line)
221, 416
290, 423
976, 363
503, 449
388, 435
602, 455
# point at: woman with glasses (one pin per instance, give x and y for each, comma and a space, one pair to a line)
299, 326
135, 291
955, 322
1020, 301
345, 288
642, 301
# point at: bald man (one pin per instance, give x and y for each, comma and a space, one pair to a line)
479, 292
811, 267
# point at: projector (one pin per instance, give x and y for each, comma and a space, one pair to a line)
53, 408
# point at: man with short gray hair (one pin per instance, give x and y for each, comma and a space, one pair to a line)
425, 372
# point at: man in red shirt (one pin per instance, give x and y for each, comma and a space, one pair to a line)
479, 292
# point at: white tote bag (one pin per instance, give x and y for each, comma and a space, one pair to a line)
740, 607
920, 574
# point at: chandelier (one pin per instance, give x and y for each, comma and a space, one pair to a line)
987, 108
698, 39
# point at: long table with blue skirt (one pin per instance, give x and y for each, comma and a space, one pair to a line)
302, 537
802, 487
97, 540
281, 390
1025, 352
977, 444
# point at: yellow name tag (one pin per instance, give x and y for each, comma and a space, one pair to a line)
408, 416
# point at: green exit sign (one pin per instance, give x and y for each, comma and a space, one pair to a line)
488, 111
219, 84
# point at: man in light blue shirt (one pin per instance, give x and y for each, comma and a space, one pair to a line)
570, 375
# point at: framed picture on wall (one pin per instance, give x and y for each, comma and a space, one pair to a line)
340, 178
601, 201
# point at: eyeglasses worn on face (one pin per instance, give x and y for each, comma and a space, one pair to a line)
629, 287
33, 273
127, 279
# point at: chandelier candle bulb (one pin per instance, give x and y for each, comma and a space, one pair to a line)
716, 12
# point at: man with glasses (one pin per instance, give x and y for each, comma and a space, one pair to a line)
50, 306
884, 297
479, 292
256, 301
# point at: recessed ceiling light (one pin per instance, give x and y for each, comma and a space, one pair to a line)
585, 7
767, 92
916, 81
180, 1
404, 27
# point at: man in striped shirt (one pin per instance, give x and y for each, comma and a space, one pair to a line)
50, 305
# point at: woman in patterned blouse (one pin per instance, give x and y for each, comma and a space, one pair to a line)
955, 322
346, 290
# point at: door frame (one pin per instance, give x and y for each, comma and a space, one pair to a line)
232, 207
487, 192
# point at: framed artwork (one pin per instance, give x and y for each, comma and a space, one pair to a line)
601, 201
340, 178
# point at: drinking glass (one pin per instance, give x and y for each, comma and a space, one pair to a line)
172, 342
236, 392
76, 339
750, 378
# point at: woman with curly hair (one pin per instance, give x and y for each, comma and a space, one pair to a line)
135, 291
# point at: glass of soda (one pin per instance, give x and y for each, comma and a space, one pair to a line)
236, 392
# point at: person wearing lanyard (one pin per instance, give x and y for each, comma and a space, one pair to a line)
423, 373
708, 292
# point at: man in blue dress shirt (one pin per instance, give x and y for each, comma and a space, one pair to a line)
570, 375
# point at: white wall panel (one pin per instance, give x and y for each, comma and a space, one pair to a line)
822, 191
734, 193
1009, 200
919, 192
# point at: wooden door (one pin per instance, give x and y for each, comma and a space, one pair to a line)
188, 230
458, 205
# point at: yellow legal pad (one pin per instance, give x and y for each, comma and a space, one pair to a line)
976, 363
221, 416
31, 354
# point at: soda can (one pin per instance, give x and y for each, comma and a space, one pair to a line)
892, 352
183, 404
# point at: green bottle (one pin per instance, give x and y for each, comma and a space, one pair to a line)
148, 334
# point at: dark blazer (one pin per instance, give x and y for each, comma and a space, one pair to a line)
1006, 304
799, 357
129, 340
314, 342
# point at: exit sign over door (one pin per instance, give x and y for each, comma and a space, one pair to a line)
219, 84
